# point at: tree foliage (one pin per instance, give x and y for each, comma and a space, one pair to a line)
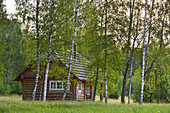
18, 42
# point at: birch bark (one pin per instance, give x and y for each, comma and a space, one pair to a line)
131, 59
143, 61
150, 26
38, 51
105, 68
49, 52
71, 53
128, 52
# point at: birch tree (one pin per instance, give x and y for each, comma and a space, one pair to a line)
150, 26
128, 59
105, 67
71, 53
143, 59
38, 51
132, 55
49, 52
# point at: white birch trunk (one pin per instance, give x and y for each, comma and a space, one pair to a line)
49, 52
147, 53
72, 47
143, 61
105, 69
128, 52
132, 54
38, 52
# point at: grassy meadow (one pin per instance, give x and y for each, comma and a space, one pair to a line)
14, 104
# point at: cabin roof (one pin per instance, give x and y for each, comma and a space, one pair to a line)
79, 64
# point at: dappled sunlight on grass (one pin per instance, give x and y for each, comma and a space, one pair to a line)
114, 101
11, 97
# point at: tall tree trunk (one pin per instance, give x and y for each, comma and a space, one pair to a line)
128, 59
49, 52
143, 61
160, 47
6, 53
131, 59
105, 67
130, 84
96, 82
71, 53
147, 53
38, 52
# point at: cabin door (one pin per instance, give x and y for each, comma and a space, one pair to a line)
87, 92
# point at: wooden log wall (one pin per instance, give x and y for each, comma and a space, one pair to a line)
28, 79
28, 84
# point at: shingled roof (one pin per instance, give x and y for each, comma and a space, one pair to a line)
79, 64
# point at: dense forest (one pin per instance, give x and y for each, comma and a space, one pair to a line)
126, 42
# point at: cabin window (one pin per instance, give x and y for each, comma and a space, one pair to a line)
60, 85
57, 85
79, 86
53, 85
87, 89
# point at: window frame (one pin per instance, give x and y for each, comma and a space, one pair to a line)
80, 87
87, 91
58, 81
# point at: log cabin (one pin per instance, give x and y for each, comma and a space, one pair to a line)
80, 87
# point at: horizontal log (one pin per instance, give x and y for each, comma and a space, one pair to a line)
26, 83
32, 82
48, 96
37, 94
48, 93
31, 88
31, 92
58, 98
54, 92
30, 79
58, 95
29, 98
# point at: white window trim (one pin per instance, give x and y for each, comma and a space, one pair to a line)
50, 85
56, 85
81, 87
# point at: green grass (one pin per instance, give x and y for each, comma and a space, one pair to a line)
12, 96
18, 106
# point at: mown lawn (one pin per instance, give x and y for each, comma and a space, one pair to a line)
18, 106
